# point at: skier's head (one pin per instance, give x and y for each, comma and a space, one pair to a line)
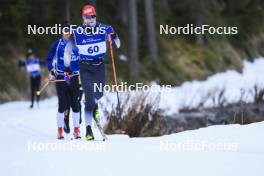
89, 15
67, 35
66, 30
30, 53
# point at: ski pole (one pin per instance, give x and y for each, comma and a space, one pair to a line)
46, 85
114, 73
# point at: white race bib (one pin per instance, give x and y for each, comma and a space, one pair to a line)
92, 49
33, 67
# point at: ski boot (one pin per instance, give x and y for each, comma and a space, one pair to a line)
60, 131
89, 133
76, 133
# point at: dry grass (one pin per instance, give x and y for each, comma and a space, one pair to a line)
142, 117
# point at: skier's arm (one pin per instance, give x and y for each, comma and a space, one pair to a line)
116, 40
50, 56
21, 63
114, 37
75, 49
75, 57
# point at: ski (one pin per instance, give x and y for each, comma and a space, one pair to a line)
101, 130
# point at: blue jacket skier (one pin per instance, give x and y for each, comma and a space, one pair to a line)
32, 64
91, 39
63, 65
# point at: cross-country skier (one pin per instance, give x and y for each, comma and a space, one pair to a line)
32, 64
91, 41
66, 72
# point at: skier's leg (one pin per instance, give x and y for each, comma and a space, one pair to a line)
67, 114
62, 96
80, 102
74, 94
89, 101
32, 88
60, 124
62, 99
87, 74
60, 121
66, 127
99, 79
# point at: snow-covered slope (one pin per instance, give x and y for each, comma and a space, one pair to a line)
190, 94
29, 147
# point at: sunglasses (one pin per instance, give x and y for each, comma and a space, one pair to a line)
89, 16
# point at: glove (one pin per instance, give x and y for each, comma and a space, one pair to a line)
67, 70
67, 78
51, 77
52, 74
116, 41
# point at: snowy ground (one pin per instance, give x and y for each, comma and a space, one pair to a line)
29, 145
220, 150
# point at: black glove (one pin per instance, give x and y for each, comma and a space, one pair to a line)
53, 72
67, 70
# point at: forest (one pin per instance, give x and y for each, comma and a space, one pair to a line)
145, 54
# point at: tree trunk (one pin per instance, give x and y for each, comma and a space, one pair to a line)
68, 12
122, 11
92, 2
133, 39
199, 10
151, 32
165, 5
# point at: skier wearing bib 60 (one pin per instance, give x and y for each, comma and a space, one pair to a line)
91, 39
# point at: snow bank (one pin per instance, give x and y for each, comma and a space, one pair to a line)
191, 94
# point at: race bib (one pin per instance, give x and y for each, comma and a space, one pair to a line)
92, 49
33, 68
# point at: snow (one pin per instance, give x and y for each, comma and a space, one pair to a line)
29, 145
191, 93
21, 128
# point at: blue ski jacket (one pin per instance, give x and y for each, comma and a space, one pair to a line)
57, 55
92, 45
